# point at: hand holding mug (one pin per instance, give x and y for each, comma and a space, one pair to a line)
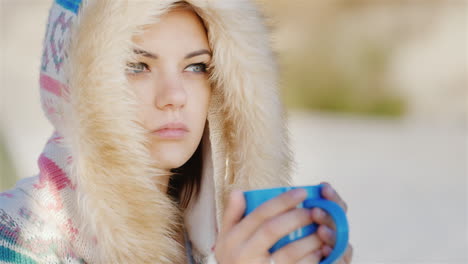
327, 228
277, 229
248, 239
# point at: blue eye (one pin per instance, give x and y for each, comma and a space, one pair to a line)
135, 68
197, 67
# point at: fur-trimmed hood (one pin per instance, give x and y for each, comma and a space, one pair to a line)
106, 189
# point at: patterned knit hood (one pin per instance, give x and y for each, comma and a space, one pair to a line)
96, 173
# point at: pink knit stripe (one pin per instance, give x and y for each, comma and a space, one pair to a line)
54, 179
6, 194
55, 138
51, 85
52, 174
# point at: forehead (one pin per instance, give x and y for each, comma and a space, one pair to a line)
179, 29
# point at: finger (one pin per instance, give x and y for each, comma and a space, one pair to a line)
327, 235
234, 210
322, 218
348, 255
329, 193
274, 229
278, 205
345, 259
313, 258
339, 261
295, 251
326, 250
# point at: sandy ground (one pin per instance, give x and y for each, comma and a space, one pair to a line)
404, 182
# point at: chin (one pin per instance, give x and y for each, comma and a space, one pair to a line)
171, 159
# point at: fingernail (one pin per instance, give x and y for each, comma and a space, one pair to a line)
331, 191
320, 213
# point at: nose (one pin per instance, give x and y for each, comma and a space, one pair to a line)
170, 94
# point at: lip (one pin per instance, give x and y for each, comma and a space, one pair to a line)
171, 131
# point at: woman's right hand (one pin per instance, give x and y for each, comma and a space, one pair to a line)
247, 240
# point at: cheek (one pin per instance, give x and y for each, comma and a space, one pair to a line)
197, 110
144, 96
200, 101
205, 99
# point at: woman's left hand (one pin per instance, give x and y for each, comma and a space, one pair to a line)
327, 229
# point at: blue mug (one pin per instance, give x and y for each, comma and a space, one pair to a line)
314, 198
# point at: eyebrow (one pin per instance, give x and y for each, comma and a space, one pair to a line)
188, 56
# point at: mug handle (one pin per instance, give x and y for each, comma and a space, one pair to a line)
341, 223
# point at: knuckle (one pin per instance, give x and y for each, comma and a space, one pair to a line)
270, 229
286, 255
295, 219
312, 258
302, 215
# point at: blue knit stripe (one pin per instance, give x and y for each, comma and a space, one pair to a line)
8, 255
72, 5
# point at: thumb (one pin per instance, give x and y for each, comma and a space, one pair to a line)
234, 211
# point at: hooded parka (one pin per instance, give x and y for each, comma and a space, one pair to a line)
95, 198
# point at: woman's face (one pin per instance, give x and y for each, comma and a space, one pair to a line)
171, 81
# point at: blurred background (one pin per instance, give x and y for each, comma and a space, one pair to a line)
376, 92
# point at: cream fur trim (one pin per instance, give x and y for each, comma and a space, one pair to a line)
117, 199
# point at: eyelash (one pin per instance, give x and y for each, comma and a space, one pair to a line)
131, 66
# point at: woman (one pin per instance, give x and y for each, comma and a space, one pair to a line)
163, 111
